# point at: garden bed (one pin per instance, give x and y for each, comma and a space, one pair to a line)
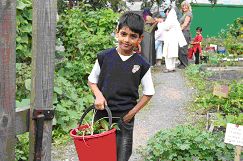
225, 73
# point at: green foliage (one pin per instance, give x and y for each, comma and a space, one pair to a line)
206, 100
234, 29
115, 5
23, 77
98, 127
187, 143
196, 75
223, 120
68, 103
232, 36
61, 6
22, 147
231, 105
24, 31
83, 32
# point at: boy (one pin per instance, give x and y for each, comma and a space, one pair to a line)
115, 80
197, 49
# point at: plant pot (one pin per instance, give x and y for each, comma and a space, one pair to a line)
97, 147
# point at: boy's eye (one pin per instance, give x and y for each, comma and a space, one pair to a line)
123, 33
134, 36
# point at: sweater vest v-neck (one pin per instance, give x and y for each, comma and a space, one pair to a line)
119, 80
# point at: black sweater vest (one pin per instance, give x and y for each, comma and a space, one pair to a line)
119, 80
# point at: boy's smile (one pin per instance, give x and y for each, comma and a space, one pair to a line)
127, 40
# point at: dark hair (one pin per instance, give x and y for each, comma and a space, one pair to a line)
167, 9
147, 12
199, 28
133, 21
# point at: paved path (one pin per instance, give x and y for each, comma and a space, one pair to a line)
165, 110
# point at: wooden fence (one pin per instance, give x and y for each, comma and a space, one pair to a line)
39, 115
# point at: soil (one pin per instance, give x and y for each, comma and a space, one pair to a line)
226, 75
165, 110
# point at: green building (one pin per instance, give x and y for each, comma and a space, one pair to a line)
214, 18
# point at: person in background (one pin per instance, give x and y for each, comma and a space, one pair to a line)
147, 15
197, 48
159, 39
115, 80
148, 43
173, 38
185, 22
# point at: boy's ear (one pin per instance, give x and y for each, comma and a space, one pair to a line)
117, 32
140, 39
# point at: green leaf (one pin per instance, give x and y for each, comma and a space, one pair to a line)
60, 108
21, 5
27, 84
23, 103
58, 90
104, 124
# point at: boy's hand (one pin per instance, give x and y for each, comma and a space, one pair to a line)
100, 102
128, 117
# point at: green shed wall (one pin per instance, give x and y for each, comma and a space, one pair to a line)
213, 19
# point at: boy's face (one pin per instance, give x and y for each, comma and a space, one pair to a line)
127, 39
198, 32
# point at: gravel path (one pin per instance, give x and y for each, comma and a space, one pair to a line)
165, 110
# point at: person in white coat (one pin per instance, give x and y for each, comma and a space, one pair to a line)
173, 38
159, 40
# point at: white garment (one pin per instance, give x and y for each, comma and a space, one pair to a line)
170, 63
173, 35
159, 33
159, 49
147, 83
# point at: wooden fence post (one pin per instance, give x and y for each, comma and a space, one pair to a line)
7, 79
43, 52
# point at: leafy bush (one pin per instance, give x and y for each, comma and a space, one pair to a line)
23, 31
231, 105
234, 29
84, 33
22, 147
222, 120
23, 80
233, 37
187, 143
206, 100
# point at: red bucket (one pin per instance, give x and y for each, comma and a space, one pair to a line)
97, 147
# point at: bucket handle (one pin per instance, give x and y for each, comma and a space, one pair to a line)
93, 107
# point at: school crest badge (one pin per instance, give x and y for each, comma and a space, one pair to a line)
135, 68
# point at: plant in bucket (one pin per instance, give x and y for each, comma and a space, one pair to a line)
95, 141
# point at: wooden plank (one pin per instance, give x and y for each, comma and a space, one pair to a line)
43, 52
22, 119
237, 153
225, 68
7, 79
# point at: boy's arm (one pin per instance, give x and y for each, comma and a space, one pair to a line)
93, 78
148, 92
100, 101
142, 102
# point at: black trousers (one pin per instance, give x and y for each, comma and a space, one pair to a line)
197, 57
124, 136
182, 55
